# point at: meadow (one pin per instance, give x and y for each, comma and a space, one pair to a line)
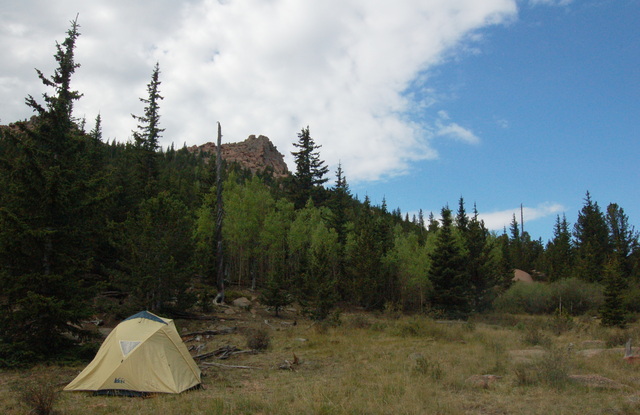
386, 363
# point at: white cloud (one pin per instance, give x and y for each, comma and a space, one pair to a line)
259, 67
457, 132
497, 221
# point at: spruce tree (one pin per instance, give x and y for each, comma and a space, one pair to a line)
623, 236
310, 169
452, 290
560, 251
480, 264
147, 137
48, 222
370, 282
158, 246
613, 312
339, 203
591, 241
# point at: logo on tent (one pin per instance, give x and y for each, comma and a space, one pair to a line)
118, 380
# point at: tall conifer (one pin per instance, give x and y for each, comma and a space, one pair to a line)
452, 294
310, 169
47, 221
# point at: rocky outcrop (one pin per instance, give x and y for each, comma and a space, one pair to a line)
254, 153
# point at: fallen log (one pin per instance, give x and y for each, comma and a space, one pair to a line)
227, 330
229, 366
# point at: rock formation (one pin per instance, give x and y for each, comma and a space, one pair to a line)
254, 153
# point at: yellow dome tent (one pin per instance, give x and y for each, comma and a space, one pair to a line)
143, 354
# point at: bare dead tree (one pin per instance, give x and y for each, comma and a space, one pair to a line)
219, 221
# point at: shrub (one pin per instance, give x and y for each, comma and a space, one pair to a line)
577, 296
574, 295
258, 339
535, 337
551, 369
230, 295
561, 322
554, 367
432, 369
359, 321
39, 396
532, 298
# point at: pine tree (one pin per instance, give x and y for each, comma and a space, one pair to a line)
371, 284
462, 220
613, 311
623, 236
310, 170
452, 291
480, 264
147, 136
516, 251
339, 203
591, 242
559, 251
48, 222
157, 243
433, 224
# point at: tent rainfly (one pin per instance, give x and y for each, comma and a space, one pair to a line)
142, 354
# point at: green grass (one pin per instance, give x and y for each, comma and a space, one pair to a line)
376, 365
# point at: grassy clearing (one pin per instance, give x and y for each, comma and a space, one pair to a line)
380, 365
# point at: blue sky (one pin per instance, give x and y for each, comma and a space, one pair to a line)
554, 97
502, 102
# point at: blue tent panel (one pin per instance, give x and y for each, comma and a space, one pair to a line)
147, 315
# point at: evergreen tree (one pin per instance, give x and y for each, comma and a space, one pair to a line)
339, 203
613, 312
462, 220
49, 218
371, 284
623, 236
516, 251
319, 294
452, 291
96, 133
559, 251
433, 223
591, 242
310, 170
147, 136
157, 255
480, 263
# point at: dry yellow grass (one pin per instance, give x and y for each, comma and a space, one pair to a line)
380, 365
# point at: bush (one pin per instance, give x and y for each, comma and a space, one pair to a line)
359, 321
575, 296
424, 366
39, 396
230, 295
258, 339
551, 369
535, 337
561, 322
531, 298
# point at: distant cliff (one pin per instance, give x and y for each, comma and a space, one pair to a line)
254, 153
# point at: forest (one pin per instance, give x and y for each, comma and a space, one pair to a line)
90, 227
